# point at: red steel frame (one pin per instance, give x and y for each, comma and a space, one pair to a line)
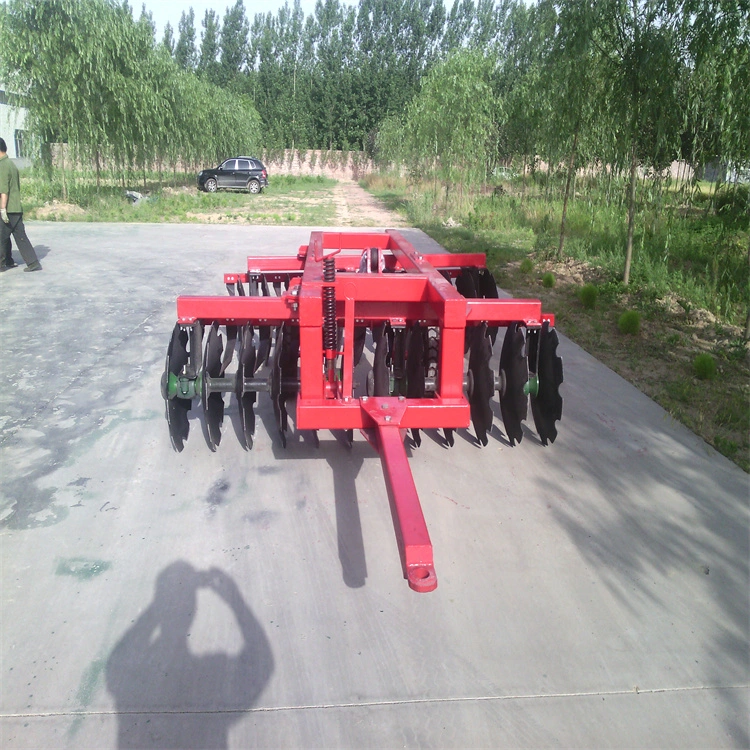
421, 294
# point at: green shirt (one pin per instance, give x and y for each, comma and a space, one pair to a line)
10, 185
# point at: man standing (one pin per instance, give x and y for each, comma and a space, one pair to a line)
11, 214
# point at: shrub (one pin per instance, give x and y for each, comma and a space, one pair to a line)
704, 366
527, 265
629, 322
588, 296
548, 280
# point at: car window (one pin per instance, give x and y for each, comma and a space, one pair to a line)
243, 164
229, 164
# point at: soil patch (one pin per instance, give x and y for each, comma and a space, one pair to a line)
58, 210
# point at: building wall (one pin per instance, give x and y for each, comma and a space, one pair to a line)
12, 121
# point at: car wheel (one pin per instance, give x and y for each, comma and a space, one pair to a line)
253, 186
211, 185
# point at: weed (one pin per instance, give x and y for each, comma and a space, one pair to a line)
629, 322
527, 266
548, 280
680, 390
588, 295
734, 416
704, 366
725, 446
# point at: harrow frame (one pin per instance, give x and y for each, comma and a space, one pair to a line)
405, 287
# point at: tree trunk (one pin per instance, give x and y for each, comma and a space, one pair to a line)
62, 164
747, 321
631, 217
571, 167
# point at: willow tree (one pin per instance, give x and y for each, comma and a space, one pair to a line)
574, 86
450, 125
93, 77
639, 59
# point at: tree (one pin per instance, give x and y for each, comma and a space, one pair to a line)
208, 66
449, 126
168, 39
96, 80
146, 21
637, 42
184, 53
233, 44
571, 70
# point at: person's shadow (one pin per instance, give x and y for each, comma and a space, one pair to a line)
167, 696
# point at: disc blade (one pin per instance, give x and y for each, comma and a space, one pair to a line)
213, 403
176, 408
288, 365
546, 406
360, 335
214, 348
415, 372
276, 382
379, 366
488, 290
264, 346
245, 368
177, 354
466, 284
513, 400
484, 385
177, 420
229, 351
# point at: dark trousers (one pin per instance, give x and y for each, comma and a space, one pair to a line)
16, 228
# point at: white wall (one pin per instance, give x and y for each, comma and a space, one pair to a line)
11, 120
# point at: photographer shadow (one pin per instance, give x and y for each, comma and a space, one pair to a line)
168, 696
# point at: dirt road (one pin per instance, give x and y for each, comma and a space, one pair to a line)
355, 207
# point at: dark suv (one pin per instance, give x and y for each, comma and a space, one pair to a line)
240, 173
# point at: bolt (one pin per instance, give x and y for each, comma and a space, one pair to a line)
387, 417
364, 398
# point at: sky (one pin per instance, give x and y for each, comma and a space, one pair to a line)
170, 11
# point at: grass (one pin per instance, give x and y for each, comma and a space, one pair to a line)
286, 201
690, 286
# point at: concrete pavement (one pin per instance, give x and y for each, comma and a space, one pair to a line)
591, 594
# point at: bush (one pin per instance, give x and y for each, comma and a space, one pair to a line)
527, 265
705, 367
629, 322
588, 296
548, 280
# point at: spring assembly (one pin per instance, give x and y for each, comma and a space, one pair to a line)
329, 305
330, 328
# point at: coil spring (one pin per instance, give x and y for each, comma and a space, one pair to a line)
329, 305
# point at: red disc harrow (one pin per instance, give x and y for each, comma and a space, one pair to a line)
304, 341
